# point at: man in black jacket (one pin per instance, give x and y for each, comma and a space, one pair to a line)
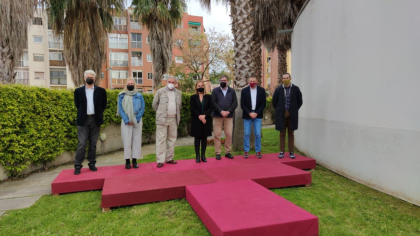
90, 101
253, 101
287, 99
224, 105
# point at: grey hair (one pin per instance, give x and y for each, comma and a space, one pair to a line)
89, 72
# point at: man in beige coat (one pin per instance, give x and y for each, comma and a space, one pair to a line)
167, 104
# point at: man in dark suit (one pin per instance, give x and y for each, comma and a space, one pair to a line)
253, 101
90, 101
287, 99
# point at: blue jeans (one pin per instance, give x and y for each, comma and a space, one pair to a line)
256, 123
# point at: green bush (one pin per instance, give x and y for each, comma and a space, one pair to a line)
38, 124
269, 107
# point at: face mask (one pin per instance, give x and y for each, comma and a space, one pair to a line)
252, 84
286, 82
130, 87
171, 86
223, 84
200, 90
89, 81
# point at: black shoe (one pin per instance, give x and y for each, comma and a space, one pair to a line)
197, 158
77, 170
203, 158
92, 167
228, 155
135, 165
127, 164
218, 157
281, 155
292, 155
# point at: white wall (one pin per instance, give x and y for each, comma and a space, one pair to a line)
357, 64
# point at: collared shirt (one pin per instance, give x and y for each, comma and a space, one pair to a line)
287, 97
253, 97
89, 99
224, 91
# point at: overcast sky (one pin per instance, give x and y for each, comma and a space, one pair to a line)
218, 18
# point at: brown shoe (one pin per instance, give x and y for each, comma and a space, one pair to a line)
171, 162
159, 165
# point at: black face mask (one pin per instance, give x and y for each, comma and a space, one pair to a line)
200, 90
130, 87
89, 81
223, 84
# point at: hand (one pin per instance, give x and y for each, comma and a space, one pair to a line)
204, 121
130, 123
201, 117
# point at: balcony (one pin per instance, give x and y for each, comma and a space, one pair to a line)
54, 44
138, 80
23, 63
58, 81
120, 27
58, 63
135, 61
136, 44
22, 81
135, 26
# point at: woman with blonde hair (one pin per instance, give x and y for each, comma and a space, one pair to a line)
201, 106
131, 109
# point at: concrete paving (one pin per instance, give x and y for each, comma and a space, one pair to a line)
23, 193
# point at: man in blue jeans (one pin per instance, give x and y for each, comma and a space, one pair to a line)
253, 101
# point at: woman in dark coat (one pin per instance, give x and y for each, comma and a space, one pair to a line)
201, 122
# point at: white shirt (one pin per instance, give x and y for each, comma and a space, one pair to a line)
89, 99
253, 97
224, 91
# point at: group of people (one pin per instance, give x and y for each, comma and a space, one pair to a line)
208, 112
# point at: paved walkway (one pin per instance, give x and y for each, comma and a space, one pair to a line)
23, 193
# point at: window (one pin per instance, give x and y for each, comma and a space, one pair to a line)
120, 23
194, 28
269, 69
147, 40
119, 77
135, 40
56, 58
180, 26
149, 58
268, 60
178, 60
150, 92
24, 60
54, 41
38, 57
37, 39
37, 21
58, 76
119, 59
179, 42
22, 77
134, 23
149, 75
136, 59
39, 75
140, 90
138, 77
118, 41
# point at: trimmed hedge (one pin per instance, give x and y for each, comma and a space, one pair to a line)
38, 124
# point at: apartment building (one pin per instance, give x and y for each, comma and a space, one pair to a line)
270, 68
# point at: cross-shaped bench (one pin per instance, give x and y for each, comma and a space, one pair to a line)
229, 196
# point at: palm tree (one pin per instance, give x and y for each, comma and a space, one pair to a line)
161, 17
14, 19
85, 25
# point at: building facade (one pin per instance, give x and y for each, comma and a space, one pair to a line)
270, 72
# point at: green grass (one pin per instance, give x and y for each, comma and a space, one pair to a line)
344, 207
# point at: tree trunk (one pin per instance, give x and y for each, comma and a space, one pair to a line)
282, 66
7, 74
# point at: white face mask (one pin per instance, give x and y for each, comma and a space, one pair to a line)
171, 86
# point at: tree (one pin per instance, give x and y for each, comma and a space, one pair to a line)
197, 53
14, 19
85, 25
161, 17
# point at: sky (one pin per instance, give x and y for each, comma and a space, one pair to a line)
218, 19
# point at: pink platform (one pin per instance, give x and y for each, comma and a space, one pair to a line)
191, 164
130, 190
300, 162
246, 208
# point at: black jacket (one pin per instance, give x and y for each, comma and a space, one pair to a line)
295, 104
246, 102
99, 101
198, 129
222, 103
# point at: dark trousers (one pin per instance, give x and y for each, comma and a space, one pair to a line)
203, 142
290, 134
88, 132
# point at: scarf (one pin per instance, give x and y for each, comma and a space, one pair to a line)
127, 106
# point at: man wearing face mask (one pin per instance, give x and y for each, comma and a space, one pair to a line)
224, 105
287, 100
167, 104
253, 101
90, 101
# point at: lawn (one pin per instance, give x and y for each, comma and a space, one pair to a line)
344, 207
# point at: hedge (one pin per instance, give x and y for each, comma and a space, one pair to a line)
38, 124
